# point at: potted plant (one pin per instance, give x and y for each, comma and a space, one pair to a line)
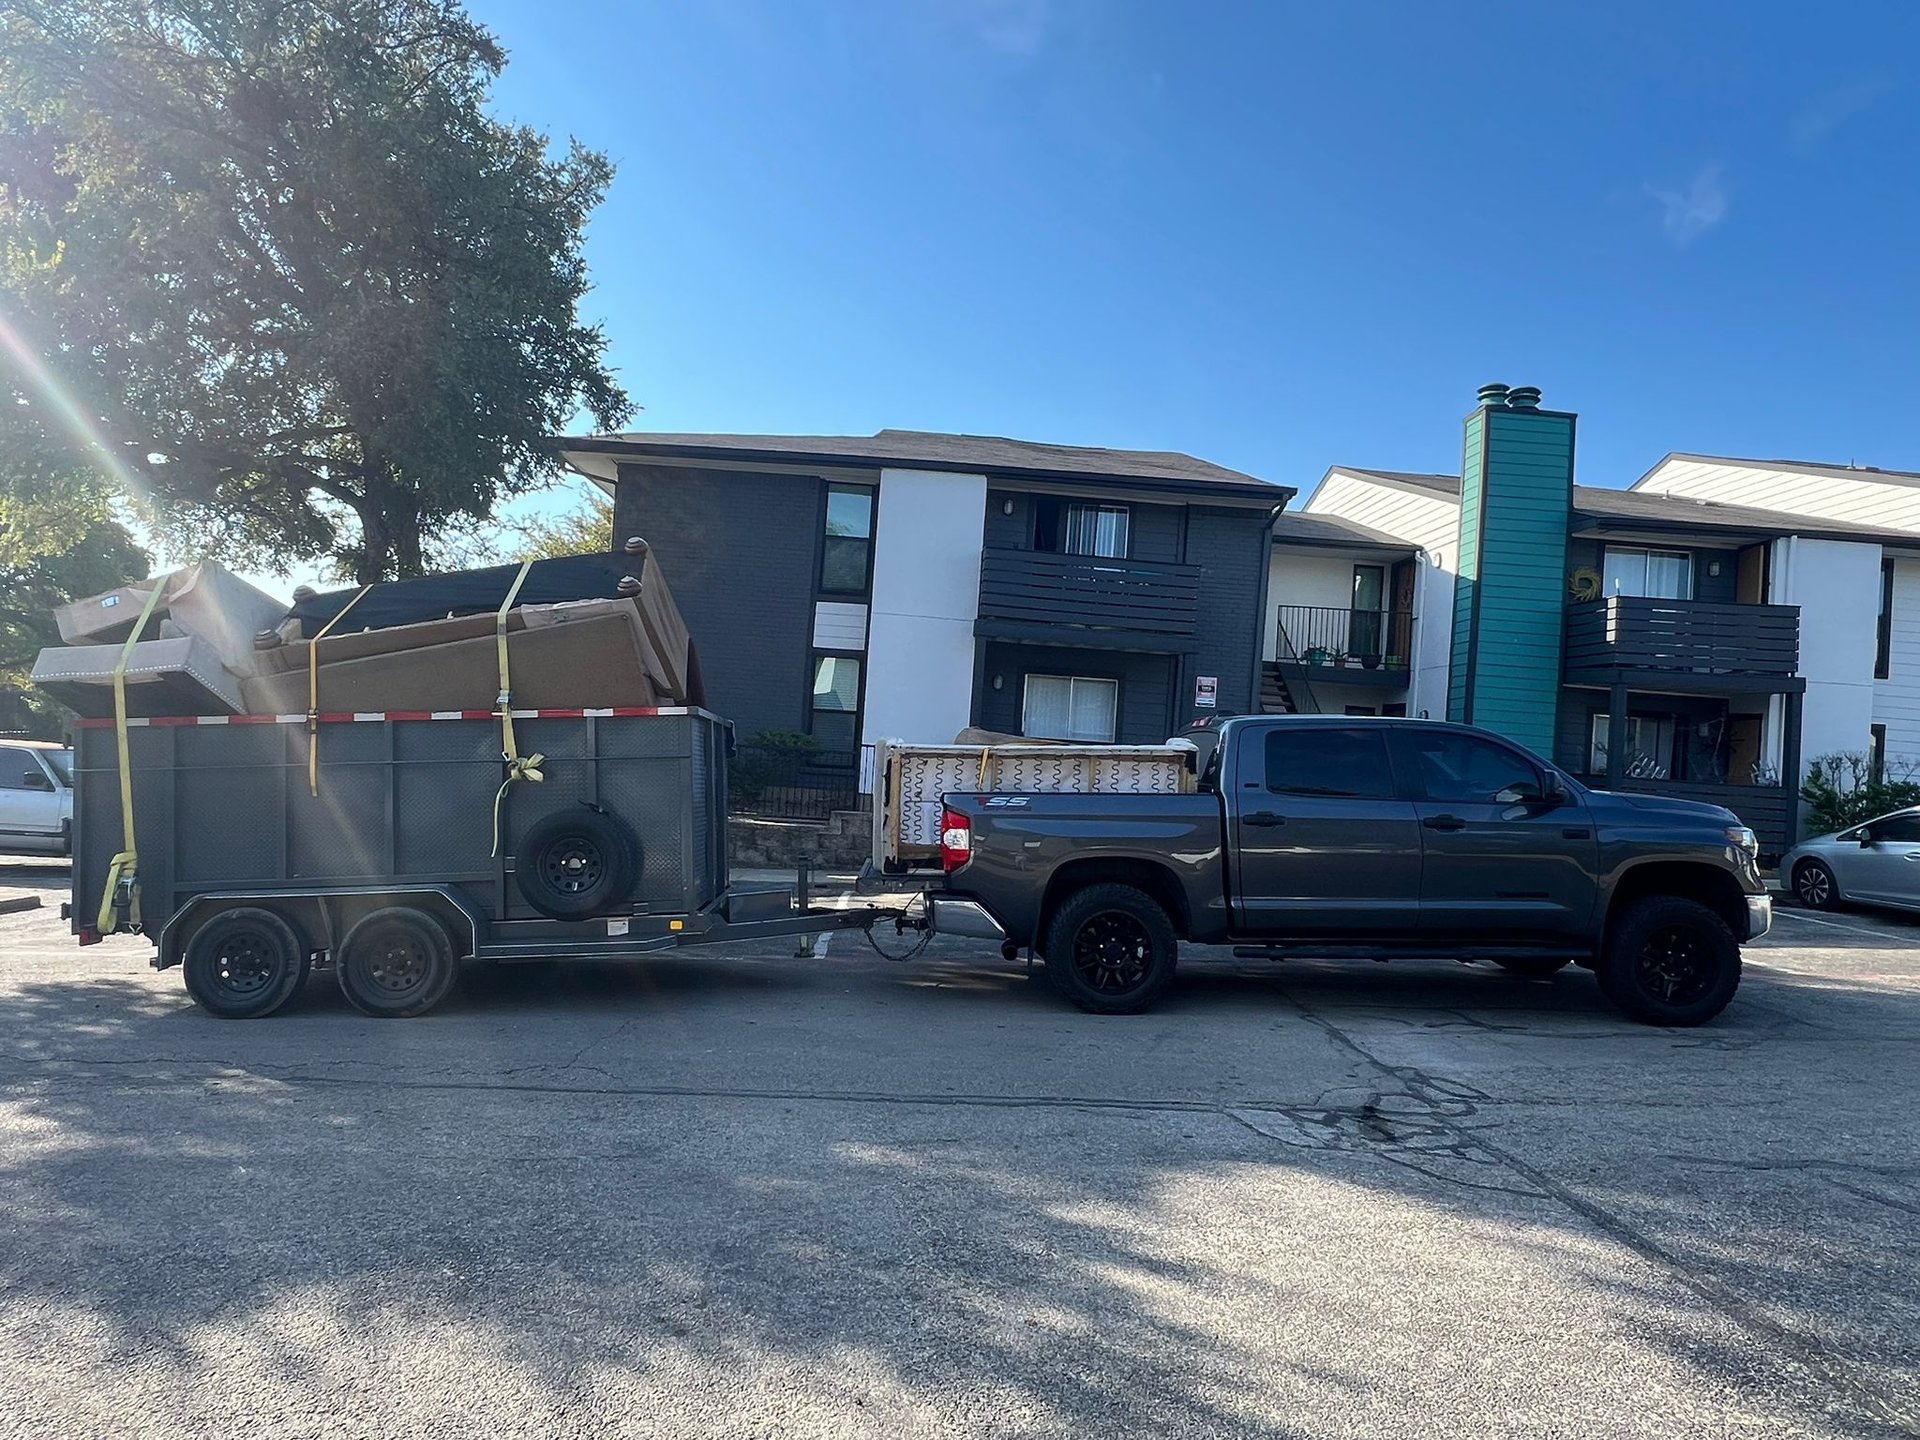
1343, 659
1318, 655
1396, 662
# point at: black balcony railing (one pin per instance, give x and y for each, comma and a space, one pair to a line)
1329, 635
1636, 632
777, 782
1145, 597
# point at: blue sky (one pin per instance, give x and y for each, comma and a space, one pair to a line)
1279, 236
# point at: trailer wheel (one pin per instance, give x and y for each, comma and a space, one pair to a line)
577, 863
396, 963
1111, 949
244, 963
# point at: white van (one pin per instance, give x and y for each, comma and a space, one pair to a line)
36, 798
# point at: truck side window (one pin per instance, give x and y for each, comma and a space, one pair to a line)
1446, 765
1311, 760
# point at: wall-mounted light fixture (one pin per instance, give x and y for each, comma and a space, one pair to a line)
1006, 507
998, 681
1713, 568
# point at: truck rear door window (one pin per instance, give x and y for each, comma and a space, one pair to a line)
1316, 760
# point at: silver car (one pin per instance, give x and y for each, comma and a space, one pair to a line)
1877, 863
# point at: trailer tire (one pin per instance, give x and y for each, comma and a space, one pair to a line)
396, 963
1111, 949
244, 963
577, 863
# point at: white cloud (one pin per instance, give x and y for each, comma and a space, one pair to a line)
1827, 113
1688, 214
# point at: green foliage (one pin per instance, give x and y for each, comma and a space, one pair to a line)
281, 263
770, 756
50, 554
585, 528
1840, 791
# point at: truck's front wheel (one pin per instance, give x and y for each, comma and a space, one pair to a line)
1669, 961
1110, 949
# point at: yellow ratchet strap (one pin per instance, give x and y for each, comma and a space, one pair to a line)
519, 767
313, 692
980, 781
123, 871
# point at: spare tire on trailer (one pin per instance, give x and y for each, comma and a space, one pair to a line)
577, 863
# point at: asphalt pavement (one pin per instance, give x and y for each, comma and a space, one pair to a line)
749, 1192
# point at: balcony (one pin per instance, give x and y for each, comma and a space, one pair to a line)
1682, 646
1342, 645
1036, 596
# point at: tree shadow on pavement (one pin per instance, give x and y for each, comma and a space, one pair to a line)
449, 1225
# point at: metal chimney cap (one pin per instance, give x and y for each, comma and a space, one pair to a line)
1495, 394
1524, 397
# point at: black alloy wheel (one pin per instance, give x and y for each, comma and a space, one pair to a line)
577, 863
1673, 964
1669, 961
396, 963
1110, 948
1111, 951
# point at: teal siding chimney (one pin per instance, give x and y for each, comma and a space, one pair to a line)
1516, 490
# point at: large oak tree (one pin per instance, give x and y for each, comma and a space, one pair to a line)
319, 301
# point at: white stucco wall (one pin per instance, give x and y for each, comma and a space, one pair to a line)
1302, 575
1837, 587
927, 540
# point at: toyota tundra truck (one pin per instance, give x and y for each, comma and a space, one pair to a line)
1366, 838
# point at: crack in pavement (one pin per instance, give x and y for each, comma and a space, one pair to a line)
1806, 1353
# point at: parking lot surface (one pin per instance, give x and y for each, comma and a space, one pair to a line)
740, 1192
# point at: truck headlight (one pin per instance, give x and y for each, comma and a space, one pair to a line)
1741, 838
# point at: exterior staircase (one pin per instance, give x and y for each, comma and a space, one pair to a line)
1275, 697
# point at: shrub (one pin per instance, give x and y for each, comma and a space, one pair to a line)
1840, 790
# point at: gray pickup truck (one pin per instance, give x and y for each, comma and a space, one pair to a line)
1368, 838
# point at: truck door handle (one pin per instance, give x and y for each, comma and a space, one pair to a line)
1444, 822
1265, 818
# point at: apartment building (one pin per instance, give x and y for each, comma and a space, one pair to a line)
1700, 634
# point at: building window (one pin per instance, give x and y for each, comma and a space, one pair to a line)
847, 551
1883, 655
1649, 747
1659, 574
1877, 753
835, 721
1076, 528
1069, 707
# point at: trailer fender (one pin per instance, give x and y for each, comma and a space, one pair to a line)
321, 916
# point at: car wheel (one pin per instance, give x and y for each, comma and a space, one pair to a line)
577, 863
1814, 885
396, 963
1669, 961
244, 963
1534, 967
1110, 949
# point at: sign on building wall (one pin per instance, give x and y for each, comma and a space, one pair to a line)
1206, 691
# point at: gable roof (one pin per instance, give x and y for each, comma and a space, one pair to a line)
931, 450
1419, 479
1297, 527
1652, 509
1797, 467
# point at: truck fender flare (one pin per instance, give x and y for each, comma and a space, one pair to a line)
171, 941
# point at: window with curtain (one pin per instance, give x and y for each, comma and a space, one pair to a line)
1070, 707
1096, 530
1660, 574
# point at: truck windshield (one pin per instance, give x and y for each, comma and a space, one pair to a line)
62, 763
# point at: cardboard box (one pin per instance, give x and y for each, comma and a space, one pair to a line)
584, 663
180, 676
204, 601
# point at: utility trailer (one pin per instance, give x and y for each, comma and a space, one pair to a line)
391, 846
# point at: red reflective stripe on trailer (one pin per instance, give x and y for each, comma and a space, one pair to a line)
253, 719
349, 717
167, 720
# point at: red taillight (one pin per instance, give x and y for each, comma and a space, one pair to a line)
956, 839
89, 935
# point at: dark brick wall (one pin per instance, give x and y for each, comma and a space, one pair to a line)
1154, 530
740, 551
1231, 546
1144, 712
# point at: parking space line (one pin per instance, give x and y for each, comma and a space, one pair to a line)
1887, 935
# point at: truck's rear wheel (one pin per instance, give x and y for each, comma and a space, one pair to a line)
1670, 961
244, 963
396, 963
1110, 949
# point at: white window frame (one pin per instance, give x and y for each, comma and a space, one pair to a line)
1106, 529
1074, 685
1646, 555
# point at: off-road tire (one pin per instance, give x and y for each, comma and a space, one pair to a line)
1111, 949
1669, 961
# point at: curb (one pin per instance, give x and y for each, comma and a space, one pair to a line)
10, 904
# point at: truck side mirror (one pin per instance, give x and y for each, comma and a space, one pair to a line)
35, 780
